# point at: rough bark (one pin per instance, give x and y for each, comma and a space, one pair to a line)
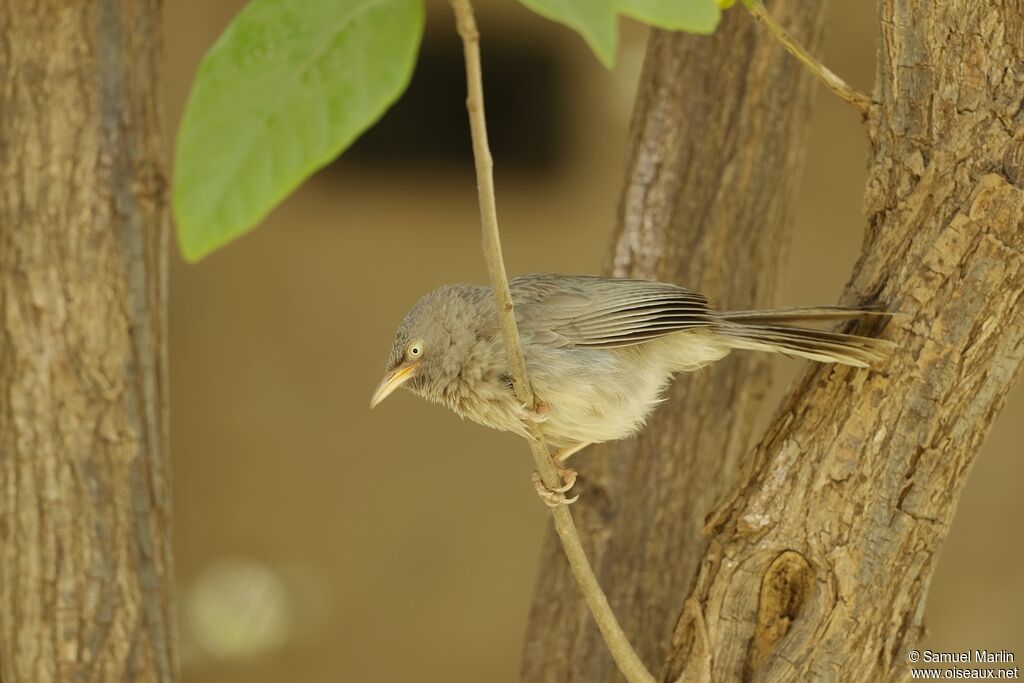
715, 154
820, 563
85, 509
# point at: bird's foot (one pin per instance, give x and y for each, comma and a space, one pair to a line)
554, 497
534, 414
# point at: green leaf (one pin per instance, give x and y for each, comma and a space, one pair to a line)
694, 16
726, 4
286, 88
595, 20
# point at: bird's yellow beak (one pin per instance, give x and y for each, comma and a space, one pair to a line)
394, 379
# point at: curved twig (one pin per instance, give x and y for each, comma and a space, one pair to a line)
618, 644
837, 85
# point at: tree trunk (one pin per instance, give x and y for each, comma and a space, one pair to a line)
854, 485
716, 150
819, 564
85, 509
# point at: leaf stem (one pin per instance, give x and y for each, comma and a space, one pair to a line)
837, 85
622, 651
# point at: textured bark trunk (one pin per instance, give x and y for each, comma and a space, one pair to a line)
819, 564
716, 152
85, 508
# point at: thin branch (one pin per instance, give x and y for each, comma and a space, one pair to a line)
841, 88
621, 649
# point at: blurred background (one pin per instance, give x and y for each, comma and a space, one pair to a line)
318, 541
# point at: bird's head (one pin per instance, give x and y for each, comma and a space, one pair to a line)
432, 341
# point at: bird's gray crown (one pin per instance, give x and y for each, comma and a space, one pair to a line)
447, 321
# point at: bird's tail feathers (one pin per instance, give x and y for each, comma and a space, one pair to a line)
760, 331
802, 314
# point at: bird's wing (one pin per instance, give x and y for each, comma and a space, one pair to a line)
597, 312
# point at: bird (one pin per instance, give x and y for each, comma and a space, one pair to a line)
600, 352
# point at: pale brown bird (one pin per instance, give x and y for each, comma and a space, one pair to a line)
599, 351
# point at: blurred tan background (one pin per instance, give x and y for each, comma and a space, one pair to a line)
318, 541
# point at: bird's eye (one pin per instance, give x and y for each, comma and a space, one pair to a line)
414, 350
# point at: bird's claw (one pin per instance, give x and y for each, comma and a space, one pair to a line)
535, 414
553, 497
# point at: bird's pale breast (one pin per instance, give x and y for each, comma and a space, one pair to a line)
593, 395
